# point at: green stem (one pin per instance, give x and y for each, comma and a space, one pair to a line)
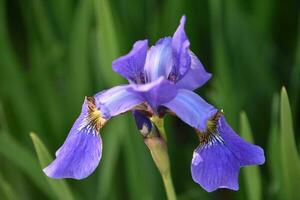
156, 142
167, 179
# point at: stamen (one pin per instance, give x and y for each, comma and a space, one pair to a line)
94, 120
211, 135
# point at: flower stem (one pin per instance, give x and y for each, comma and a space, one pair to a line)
156, 142
167, 179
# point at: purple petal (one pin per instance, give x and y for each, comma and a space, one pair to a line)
159, 60
118, 100
191, 109
156, 93
247, 153
181, 56
78, 158
196, 75
216, 163
131, 66
80, 154
215, 167
142, 122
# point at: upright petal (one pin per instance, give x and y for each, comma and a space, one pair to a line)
218, 158
191, 108
159, 60
156, 93
180, 50
81, 152
118, 100
196, 75
131, 66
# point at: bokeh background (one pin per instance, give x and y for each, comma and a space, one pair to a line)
55, 52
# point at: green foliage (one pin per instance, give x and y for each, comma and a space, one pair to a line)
289, 155
54, 53
251, 174
59, 187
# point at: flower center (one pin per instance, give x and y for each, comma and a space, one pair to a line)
94, 119
211, 135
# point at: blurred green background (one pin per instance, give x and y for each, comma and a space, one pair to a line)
55, 52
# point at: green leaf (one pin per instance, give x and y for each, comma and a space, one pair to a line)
24, 160
7, 190
78, 69
251, 173
289, 154
59, 187
274, 147
107, 44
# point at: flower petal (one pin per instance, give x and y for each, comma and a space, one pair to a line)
78, 158
131, 66
80, 154
142, 122
191, 108
181, 56
157, 92
216, 164
196, 75
118, 100
159, 60
215, 167
247, 153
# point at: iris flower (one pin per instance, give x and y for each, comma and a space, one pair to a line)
161, 81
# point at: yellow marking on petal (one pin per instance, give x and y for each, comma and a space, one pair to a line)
94, 118
211, 133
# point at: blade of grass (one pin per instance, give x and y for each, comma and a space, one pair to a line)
7, 190
15, 81
289, 155
21, 157
251, 173
224, 92
78, 70
59, 187
274, 146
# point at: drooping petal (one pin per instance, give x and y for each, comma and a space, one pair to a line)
78, 158
118, 100
81, 152
159, 60
180, 50
131, 66
217, 161
191, 108
215, 167
157, 92
196, 75
247, 153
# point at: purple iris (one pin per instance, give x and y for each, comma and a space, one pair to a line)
161, 80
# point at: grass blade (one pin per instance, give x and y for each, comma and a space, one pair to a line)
24, 160
59, 187
289, 154
7, 191
251, 173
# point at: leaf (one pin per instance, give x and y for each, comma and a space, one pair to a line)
59, 187
251, 173
289, 154
7, 190
24, 160
274, 147
78, 71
